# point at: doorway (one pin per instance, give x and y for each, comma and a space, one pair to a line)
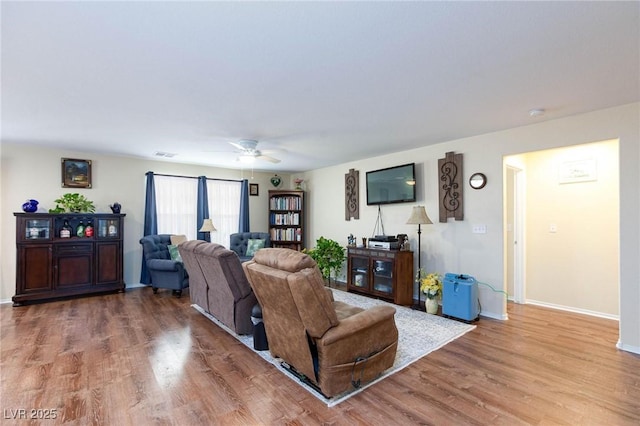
561, 232
514, 235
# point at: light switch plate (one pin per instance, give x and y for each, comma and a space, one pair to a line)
479, 229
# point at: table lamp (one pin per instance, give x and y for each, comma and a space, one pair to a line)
207, 228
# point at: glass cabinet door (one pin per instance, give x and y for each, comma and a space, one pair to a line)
37, 229
383, 276
359, 272
108, 228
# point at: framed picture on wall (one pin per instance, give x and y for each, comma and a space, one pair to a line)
577, 171
253, 189
76, 173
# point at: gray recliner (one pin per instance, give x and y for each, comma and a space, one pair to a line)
219, 285
238, 242
164, 271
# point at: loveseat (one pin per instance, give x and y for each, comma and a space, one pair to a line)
165, 271
218, 284
333, 345
242, 241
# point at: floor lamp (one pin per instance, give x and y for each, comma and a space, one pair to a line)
207, 228
419, 217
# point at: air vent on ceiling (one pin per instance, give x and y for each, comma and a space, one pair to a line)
164, 154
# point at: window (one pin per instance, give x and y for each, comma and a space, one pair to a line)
176, 207
224, 209
176, 202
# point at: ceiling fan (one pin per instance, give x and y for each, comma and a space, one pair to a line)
249, 152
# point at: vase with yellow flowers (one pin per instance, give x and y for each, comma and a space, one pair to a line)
431, 286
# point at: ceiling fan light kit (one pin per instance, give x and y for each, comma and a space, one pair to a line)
246, 159
249, 152
247, 145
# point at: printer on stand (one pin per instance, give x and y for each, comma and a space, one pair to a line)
387, 242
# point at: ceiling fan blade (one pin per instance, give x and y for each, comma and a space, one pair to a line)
267, 158
237, 146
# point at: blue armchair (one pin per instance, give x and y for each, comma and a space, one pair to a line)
239, 243
165, 272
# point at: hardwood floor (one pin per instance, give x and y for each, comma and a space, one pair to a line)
138, 358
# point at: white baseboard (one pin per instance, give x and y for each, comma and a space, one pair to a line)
493, 315
137, 285
574, 310
628, 348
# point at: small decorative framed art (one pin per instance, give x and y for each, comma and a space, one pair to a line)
76, 173
253, 189
578, 171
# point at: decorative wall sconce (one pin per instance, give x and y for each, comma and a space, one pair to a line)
351, 203
450, 190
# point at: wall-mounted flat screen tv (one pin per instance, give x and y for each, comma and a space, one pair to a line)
392, 185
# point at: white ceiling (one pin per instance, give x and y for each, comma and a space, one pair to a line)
317, 83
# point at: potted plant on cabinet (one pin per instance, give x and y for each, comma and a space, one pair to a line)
73, 203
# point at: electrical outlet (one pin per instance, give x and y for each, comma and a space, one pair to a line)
553, 228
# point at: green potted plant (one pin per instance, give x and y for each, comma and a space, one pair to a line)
73, 203
329, 255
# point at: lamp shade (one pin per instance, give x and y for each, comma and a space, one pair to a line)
207, 226
419, 216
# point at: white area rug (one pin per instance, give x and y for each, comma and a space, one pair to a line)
419, 334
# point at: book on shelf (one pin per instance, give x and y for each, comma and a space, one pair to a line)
285, 203
290, 218
286, 234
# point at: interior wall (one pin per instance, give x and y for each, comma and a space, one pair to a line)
446, 247
29, 171
572, 230
451, 246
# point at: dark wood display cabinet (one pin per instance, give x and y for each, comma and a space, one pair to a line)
56, 259
380, 273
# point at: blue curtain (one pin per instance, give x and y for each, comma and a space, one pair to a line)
150, 222
244, 207
202, 208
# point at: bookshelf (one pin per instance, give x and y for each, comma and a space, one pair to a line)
286, 219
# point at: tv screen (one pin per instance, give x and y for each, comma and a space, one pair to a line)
392, 185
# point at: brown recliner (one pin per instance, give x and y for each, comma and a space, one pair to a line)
335, 345
218, 284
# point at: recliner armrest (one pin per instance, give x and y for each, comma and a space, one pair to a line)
330, 293
164, 265
357, 324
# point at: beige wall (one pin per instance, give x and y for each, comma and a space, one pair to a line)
34, 172
576, 266
452, 247
446, 247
